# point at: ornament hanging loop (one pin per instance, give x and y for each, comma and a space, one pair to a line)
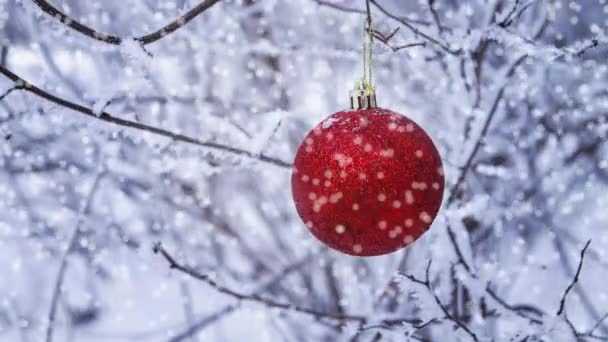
363, 96
368, 43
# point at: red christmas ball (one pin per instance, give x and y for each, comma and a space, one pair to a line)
367, 182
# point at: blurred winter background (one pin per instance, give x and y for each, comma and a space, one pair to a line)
513, 92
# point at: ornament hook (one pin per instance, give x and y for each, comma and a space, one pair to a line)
363, 96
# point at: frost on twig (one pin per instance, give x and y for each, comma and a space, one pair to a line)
54, 12
104, 116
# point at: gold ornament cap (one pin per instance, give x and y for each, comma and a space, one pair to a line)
363, 96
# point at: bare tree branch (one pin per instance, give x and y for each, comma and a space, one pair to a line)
598, 324
484, 131
115, 40
3, 54
518, 310
591, 333
385, 39
10, 90
275, 279
443, 46
346, 9
454, 190
173, 264
435, 15
562, 303
427, 283
64, 260
105, 116
515, 13
508, 18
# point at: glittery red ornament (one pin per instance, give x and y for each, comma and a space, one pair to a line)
367, 182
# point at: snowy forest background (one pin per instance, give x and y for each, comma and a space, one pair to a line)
122, 128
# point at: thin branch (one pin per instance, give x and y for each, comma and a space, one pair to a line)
514, 16
591, 333
508, 19
518, 310
64, 261
598, 324
207, 320
345, 9
406, 46
390, 324
385, 39
105, 116
592, 44
459, 254
427, 283
562, 303
115, 40
484, 131
274, 280
435, 15
10, 90
173, 264
416, 31
3, 54
176, 24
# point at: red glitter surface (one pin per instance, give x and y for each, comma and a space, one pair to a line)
367, 182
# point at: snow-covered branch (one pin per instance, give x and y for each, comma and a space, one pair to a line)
152, 37
105, 116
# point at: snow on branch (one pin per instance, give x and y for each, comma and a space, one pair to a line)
427, 284
442, 45
173, 264
342, 8
107, 117
158, 248
73, 241
115, 40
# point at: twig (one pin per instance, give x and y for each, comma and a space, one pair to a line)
435, 15
176, 24
467, 166
416, 31
508, 19
10, 90
484, 131
173, 264
514, 16
598, 324
205, 321
105, 116
427, 283
115, 40
593, 43
459, 254
562, 303
3, 54
389, 324
517, 310
276, 278
342, 8
591, 332
64, 261
405, 46
385, 39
